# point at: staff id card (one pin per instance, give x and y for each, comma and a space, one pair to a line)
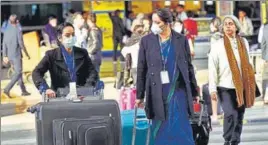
164, 77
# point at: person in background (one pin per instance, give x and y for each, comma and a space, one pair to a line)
118, 34
181, 14
146, 26
81, 33
128, 22
95, 42
245, 22
174, 14
215, 27
191, 30
178, 26
4, 24
70, 16
138, 20
132, 48
66, 64
260, 35
216, 34
263, 40
85, 15
231, 78
165, 72
140, 16
50, 32
12, 45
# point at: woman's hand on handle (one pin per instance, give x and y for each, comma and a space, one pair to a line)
50, 93
139, 103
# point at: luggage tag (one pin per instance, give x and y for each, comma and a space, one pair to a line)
164, 77
72, 86
72, 91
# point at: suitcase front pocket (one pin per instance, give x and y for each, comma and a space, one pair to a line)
98, 136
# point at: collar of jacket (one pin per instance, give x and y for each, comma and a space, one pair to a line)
78, 54
177, 40
173, 33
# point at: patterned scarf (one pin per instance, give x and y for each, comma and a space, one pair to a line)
244, 84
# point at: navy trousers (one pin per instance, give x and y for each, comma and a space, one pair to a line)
233, 115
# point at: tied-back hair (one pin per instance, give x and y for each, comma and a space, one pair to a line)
165, 15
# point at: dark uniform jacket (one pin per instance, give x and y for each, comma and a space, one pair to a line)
54, 62
148, 74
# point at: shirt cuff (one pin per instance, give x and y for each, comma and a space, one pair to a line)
43, 87
212, 90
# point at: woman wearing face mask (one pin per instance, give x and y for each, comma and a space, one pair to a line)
166, 74
50, 32
66, 64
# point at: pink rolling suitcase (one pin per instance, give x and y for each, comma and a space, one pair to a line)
127, 97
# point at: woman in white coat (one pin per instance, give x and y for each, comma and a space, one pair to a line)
231, 78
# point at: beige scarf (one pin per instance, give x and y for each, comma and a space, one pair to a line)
244, 84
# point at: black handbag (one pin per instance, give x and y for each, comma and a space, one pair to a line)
257, 92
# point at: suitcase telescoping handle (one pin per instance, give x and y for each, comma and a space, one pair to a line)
46, 99
136, 119
98, 91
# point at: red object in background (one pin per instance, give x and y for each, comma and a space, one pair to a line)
197, 107
190, 25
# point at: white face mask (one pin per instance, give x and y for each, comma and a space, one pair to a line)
156, 29
178, 28
69, 42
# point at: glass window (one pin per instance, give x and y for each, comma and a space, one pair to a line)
34, 14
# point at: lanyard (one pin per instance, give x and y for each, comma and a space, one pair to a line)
164, 59
72, 75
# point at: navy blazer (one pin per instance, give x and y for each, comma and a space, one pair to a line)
148, 74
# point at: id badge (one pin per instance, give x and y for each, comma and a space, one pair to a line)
72, 87
164, 77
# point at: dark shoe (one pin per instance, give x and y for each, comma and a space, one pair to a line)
227, 143
7, 94
25, 93
234, 143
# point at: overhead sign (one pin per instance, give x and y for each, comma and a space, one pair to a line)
108, 5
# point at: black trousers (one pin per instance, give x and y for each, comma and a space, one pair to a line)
233, 116
118, 40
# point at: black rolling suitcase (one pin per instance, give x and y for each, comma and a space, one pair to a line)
201, 125
94, 130
207, 99
78, 112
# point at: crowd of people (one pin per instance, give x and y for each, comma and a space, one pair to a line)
158, 51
